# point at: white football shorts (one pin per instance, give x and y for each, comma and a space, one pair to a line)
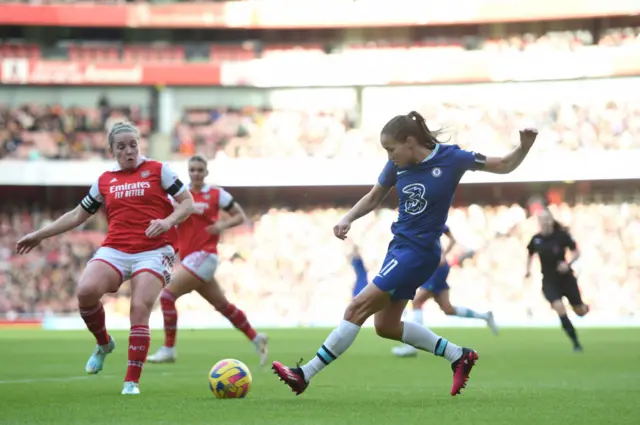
201, 264
158, 262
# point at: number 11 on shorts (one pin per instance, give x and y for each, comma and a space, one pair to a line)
388, 267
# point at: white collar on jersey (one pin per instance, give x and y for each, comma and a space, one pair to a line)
205, 188
141, 159
433, 153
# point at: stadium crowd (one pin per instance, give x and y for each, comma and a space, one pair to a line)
52, 132
287, 265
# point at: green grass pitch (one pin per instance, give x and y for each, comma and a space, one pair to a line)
524, 376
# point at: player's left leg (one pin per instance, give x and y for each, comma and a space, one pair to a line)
150, 273
212, 292
444, 301
370, 300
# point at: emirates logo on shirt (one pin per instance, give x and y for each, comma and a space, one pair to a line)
129, 190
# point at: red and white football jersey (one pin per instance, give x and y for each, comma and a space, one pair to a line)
132, 198
192, 235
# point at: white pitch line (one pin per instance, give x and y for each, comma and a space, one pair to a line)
64, 379
36, 380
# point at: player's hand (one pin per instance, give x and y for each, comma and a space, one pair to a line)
527, 138
443, 260
199, 207
213, 229
563, 267
27, 243
158, 227
527, 275
341, 229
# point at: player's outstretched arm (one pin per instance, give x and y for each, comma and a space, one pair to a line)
68, 221
364, 206
512, 160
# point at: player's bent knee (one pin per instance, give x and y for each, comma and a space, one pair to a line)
357, 312
581, 310
89, 293
366, 304
97, 279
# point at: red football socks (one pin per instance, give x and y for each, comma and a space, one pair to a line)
170, 315
94, 319
139, 342
239, 320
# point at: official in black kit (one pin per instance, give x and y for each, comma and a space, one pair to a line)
558, 280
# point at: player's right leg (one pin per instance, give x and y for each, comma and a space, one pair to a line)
103, 274
182, 282
370, 300
212, 292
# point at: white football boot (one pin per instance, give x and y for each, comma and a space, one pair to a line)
404, 350
261, 341
96, 361
130, 388
491, 322
163, 355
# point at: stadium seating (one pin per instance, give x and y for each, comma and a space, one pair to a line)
286, 255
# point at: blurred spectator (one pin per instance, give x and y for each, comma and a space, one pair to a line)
36, 131
53, 132
288, 265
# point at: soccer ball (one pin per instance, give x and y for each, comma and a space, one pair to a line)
230, 378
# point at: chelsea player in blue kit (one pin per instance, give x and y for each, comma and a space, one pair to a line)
438, 289
425, 174
361, 271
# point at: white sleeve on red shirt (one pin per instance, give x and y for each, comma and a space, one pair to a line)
94, 199
171, 182
225, 200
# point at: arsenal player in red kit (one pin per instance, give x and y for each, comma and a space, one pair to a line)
137, 246
198, 238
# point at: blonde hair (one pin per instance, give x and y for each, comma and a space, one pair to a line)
201, 159
121, 127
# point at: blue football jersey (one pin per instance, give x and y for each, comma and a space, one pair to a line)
425, 192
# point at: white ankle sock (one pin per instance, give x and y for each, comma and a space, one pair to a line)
467, 312
424, 339
336, 343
